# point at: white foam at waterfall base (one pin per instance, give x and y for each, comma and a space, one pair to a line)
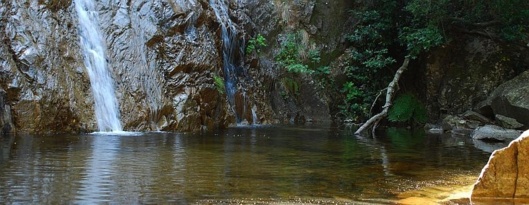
93, 46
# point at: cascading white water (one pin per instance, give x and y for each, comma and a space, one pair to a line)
230, 47
254, 115
106, 106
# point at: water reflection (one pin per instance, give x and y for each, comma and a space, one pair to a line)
265, 163
97, 183
5, 146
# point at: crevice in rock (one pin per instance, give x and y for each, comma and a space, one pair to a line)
517, 170
516, 153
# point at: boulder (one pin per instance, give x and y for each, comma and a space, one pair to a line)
506, 175
495, 133
510, 99
507, 122
489, 147
472, 115
459, 124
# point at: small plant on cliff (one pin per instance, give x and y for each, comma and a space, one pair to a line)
219, 83
256, 44
289, 57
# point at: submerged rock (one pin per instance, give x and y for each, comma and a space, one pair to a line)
506, 175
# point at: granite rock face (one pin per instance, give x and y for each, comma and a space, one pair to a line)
506, 175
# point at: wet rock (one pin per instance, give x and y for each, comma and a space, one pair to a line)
495, 133
506, 175
450, 123
158, 52
510, 100
471, 115
507, 122
6, 121
489, 147
433, 129
41, 68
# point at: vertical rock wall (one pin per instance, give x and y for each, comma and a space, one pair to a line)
41, 68
322, 25
163, 56
463, 73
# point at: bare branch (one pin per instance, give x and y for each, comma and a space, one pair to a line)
373, 121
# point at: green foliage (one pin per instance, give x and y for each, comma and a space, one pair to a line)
386, 30
289, 57
369, 72
407, 108
504, 19
420, 40
289, 52
256, 44
299, 68
356, 104
219, 83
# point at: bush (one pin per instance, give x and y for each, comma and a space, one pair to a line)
407, 108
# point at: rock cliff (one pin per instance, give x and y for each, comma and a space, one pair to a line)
464, 72
164, 56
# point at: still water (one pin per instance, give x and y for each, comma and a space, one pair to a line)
237, 165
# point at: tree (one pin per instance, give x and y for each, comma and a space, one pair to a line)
394, 29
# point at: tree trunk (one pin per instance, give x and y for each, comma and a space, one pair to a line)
373, 121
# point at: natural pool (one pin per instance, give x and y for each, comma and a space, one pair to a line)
290, 164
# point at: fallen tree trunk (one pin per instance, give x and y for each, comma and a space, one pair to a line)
373, 121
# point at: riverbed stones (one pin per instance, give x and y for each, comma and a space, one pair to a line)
459, 124
506, 175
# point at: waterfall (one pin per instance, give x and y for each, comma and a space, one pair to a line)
106, 106
255, 119
230, 49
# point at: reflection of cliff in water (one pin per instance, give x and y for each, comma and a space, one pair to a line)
6, 143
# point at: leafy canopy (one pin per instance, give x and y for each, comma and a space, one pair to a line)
387, 30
